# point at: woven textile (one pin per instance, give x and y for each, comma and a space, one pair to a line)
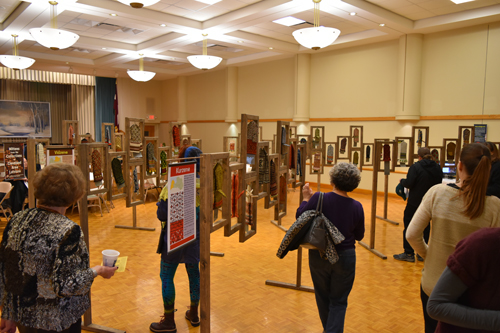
343, 144
291, 157
136, 181
118, 143
466, 136
150, 154
263, 167
435, 155
419, 139
355, 158
355, 137
283, 188
163, 163
176, 136
387, 153
450, 151
218, 180
135, 138
71, 133
368, 153
96, 165
248, 213
41, 158
107, 135
329, 155
317, 162
116, 166
273, 180
299, 164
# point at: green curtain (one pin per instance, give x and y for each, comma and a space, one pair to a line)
105, 90
58, 95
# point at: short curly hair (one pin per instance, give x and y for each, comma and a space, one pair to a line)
59, 185
345, 176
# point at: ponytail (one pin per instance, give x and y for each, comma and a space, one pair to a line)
477, 163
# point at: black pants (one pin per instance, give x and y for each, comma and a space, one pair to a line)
75, 328
408, 215
430, 324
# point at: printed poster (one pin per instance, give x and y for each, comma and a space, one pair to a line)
60, 155
14, 160
480, 133
181, 205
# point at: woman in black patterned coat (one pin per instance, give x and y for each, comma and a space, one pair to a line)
44, 263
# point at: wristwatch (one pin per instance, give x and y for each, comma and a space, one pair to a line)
94, 272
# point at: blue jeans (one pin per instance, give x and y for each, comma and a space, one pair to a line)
332, 285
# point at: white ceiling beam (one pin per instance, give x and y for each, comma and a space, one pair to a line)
252, 57
113, 59
258, 41
58, 58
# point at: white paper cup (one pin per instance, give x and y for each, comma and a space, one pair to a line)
109, 257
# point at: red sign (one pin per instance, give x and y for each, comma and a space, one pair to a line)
181, 170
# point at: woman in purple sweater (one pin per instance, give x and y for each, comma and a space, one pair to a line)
333, 283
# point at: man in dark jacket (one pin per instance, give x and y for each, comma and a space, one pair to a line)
420, 178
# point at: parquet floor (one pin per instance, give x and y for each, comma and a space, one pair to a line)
385, 297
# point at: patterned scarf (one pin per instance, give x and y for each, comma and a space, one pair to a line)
96, 165
116, 166
329, 155
263, 167
150, 154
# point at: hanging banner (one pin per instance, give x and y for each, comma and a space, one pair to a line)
181, 205
14, 161
60, 155
480, 133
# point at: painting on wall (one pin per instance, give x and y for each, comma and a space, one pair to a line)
25, 119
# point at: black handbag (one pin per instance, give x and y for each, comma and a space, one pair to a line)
315, 238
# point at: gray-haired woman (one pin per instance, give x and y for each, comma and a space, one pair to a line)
333, 283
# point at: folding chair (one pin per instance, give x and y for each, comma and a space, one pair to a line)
5, 188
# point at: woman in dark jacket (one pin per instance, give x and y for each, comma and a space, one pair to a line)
494, 182
333, 283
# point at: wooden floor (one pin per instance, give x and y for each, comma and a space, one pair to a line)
385, 297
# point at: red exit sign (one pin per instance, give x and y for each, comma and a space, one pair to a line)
151, 117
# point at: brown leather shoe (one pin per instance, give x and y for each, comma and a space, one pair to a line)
165, 325
192, 316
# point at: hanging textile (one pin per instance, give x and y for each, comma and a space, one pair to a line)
355, 137
176, 136
303, 140
249, 206
136, 181
368, 152
135, 138
118, 143
116, 167
291, 157
263, 167
355, 158
450, 151
71, 133
299, 165
283, 188
41, 159
107, 135
317, 139
466, 136
252, 140
435, 155
403, 148
218, 179
386, 158
150, 155
163, 163
235, 184
317, 162
284, 147
96, 167
419, 140
343, 144
273, 181
329, 155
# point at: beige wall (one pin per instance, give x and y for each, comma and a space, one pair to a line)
205, 95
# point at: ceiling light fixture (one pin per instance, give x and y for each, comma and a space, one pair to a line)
141, 75
289, 21
53, 38
270, 48
209, 2
15, 61
460, 1
113, 14
204, 61
139, 4
163, 25
316, 37
382, 24
352, 13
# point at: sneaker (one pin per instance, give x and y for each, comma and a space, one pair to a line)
405, 257
419, 258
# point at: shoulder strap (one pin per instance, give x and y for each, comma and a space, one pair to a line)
319, 207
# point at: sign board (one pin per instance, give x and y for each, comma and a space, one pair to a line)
181, 205
480, 133
60, 155
14, 160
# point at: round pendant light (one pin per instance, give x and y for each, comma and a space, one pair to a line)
15, 61
53, 38
141, 75
204, 61
138, 4
316, 37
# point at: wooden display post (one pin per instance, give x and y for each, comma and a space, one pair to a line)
376, 168
84, 151
386, 181
317, 147
282, 167
31, 146
134, 162
76, 133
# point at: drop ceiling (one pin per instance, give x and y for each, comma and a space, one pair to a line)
240, 31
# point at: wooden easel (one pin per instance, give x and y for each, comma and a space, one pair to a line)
32, 166
282, 167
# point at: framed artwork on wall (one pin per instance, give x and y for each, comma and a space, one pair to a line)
330, 153
419, 138
436, 153
25, 119
368, 151
356, 136
449, 155
343, 149
402, 147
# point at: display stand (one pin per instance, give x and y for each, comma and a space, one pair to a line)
376, 168
65, 128
317, 148
386, 179
161, 180
282, 167
31, 146
111, 128
298, 284
121, 155
134, 162
84, 151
